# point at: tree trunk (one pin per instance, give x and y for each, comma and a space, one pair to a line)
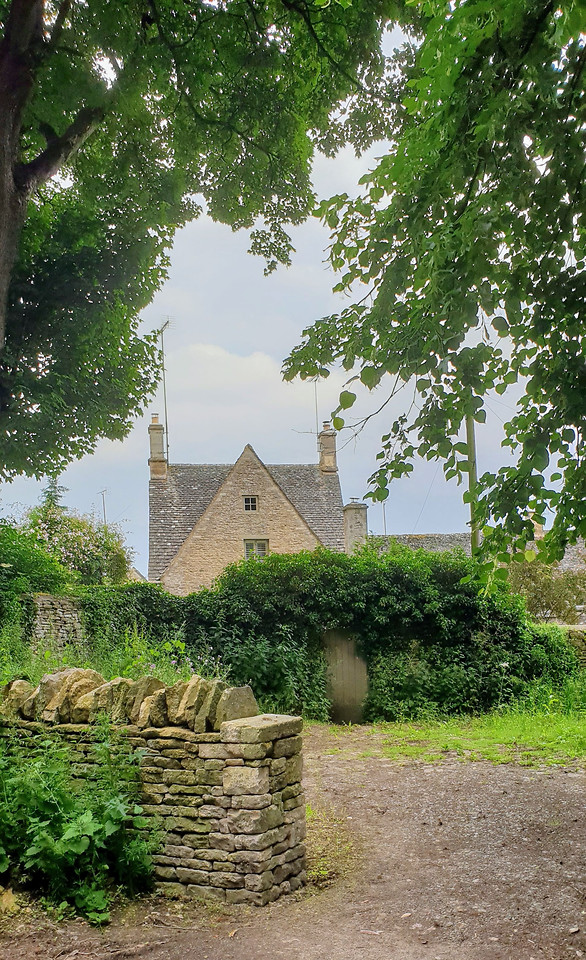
20, 48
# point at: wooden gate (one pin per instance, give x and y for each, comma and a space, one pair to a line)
347, 677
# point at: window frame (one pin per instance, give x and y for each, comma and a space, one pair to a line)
254, 551
250, 503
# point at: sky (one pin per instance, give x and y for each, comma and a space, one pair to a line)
230, 330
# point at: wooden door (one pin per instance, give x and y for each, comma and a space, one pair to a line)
347, 677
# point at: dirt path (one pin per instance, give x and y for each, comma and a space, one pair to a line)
455, 861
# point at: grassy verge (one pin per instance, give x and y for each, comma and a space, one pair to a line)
527, 739
132, 654
331, 851
548, 726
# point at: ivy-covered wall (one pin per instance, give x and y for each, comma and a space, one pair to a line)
429, 633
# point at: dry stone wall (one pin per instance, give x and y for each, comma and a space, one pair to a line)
224, 790
56, 620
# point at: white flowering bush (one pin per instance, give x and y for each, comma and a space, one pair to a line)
95, 552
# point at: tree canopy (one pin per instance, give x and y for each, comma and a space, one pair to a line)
469, 241
94, 552
118, 122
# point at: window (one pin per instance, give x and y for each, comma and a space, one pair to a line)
251, 503
256, 548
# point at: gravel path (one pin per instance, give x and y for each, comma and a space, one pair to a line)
455, 861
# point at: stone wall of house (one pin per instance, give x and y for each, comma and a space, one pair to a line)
218, 537
226, 791
56, 620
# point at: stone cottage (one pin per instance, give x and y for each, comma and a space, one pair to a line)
204, 516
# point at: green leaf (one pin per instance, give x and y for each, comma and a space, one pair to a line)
347, 399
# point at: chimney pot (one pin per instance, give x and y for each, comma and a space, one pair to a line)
157, 459
327, 449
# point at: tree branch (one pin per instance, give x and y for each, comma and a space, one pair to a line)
57, 30
28, 176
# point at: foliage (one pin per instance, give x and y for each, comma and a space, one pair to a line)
550, 593
25, 567
91, 549
469, 239
114, 118
427, 629
437, 680
128, 654
72, 840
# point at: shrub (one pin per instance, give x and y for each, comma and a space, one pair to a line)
95, 552
24, 568
550, 593
74, 841
433, 640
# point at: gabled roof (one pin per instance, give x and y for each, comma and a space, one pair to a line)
177, 503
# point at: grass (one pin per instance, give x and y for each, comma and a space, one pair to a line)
330, 849
547, 726
132, 655
509, 736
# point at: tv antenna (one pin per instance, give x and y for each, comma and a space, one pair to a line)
165, 326
103, 493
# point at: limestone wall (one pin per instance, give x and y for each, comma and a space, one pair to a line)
229, 801
56, 620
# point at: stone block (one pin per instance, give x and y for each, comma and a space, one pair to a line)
255, 821
191, 702
260, 841
200, 892
287, 747
200, 877
229, 881
213, 751
143, 688
267, 726
252, 802
14, 695
259, 881
240, 781
294, 770
174, 695
249, 751
235, 703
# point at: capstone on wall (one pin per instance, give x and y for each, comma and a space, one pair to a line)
218, 537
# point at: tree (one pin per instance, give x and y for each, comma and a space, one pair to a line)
95, 552
550, 592
469, 239
118, 121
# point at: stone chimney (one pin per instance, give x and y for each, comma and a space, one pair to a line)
327, 449
157, 459
355, 525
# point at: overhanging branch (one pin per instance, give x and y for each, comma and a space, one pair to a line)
28, 176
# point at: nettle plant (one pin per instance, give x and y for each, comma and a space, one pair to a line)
76, 842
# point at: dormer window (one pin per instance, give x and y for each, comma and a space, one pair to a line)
251, 503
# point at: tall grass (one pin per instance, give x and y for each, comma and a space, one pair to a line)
132, 654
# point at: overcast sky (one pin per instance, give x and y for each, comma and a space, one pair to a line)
231, 327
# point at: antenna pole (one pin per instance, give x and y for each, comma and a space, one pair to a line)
103, 492
472, 483
316, 412
163, 328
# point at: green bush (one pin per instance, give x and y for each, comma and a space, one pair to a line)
74, 841
550, 592
25, 568
433, 640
